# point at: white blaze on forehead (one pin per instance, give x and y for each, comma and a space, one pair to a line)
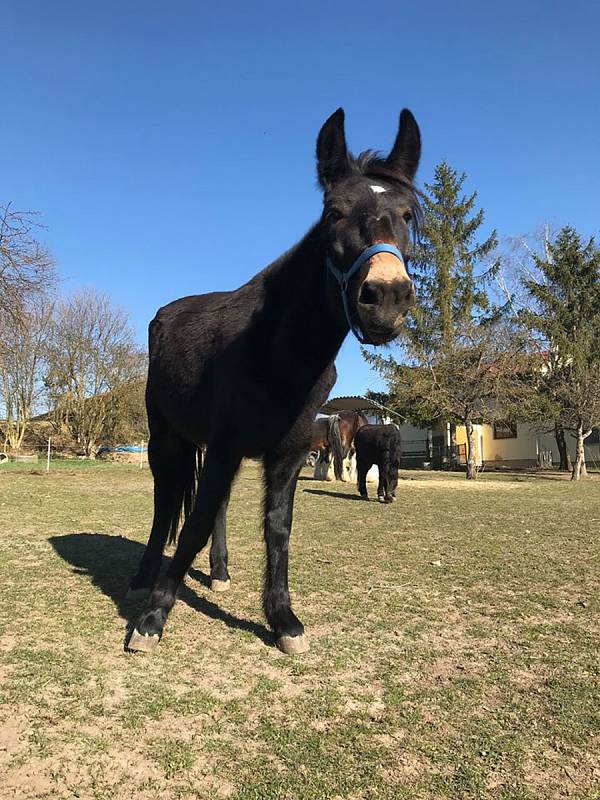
377, 189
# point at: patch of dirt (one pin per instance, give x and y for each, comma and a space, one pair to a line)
556, 775
29, 780
12, 737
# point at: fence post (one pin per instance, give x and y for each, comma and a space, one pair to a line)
48, 457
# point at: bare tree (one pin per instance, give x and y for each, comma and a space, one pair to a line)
517, 267
23, 339
127, 421
578, 396
564, 317
91, 355
478, 379
26, 267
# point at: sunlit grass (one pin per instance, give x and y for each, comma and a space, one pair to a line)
454, 645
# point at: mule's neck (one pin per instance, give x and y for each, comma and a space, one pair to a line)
311, 309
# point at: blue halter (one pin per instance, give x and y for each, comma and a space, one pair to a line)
344, 278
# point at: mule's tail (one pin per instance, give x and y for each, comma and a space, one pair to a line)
337, 448
187, 485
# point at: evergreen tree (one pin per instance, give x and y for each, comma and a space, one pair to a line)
460, 360
566, 324
450, 291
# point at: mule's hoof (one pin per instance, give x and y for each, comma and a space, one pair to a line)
137, 594
293, 645
142, 644
219, 586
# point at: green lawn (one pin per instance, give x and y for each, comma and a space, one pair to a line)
454, 645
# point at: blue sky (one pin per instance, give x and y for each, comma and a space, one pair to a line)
170, 146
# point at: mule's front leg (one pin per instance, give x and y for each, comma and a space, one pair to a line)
215, 480
281, 476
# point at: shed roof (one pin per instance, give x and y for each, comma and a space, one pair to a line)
355, 403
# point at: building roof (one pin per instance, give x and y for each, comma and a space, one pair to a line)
355, 403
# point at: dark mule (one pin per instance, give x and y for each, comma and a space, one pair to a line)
381, 445
334, 436
265, 354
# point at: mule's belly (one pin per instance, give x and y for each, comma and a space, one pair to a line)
213, 376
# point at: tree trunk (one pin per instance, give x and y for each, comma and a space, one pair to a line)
579, 468
471, 465
563, 451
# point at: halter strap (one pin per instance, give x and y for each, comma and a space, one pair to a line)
344, 278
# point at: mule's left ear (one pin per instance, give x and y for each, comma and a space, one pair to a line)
332, 153
406, 151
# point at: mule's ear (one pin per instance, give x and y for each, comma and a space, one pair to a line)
406, 151
332, 153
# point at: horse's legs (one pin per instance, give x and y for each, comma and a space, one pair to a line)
351, 465
215, 480
281, 475
172, 461
219, 575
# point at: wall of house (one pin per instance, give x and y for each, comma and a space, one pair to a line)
479, 436
524, 449
548, 442
521, 451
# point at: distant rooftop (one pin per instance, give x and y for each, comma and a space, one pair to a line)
356, 403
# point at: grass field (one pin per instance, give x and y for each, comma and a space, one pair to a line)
454, 646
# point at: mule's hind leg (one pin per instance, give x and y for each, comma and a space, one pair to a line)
219, 574
281, 476
172, 461
383, 494
362, 468
213, 488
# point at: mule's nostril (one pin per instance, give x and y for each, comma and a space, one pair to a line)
369, 294
404, 293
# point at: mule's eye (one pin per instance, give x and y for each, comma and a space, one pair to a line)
334, 215
407, 216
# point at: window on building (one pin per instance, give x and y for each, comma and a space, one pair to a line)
505, 430
594, 437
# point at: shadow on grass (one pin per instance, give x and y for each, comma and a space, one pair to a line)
110, 561
334, 494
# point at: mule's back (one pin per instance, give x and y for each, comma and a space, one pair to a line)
186, 340
379, 442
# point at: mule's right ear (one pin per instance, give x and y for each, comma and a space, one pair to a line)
332, 153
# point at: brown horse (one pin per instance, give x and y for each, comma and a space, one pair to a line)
335, 435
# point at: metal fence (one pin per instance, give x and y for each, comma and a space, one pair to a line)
434, 453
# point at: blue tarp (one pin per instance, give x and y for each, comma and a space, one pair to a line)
124, 448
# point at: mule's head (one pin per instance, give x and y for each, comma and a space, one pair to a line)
370, 200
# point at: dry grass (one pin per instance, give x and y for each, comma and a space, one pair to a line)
455, 641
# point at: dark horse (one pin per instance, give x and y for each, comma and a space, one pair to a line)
265, 353
334, 435
381, 445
